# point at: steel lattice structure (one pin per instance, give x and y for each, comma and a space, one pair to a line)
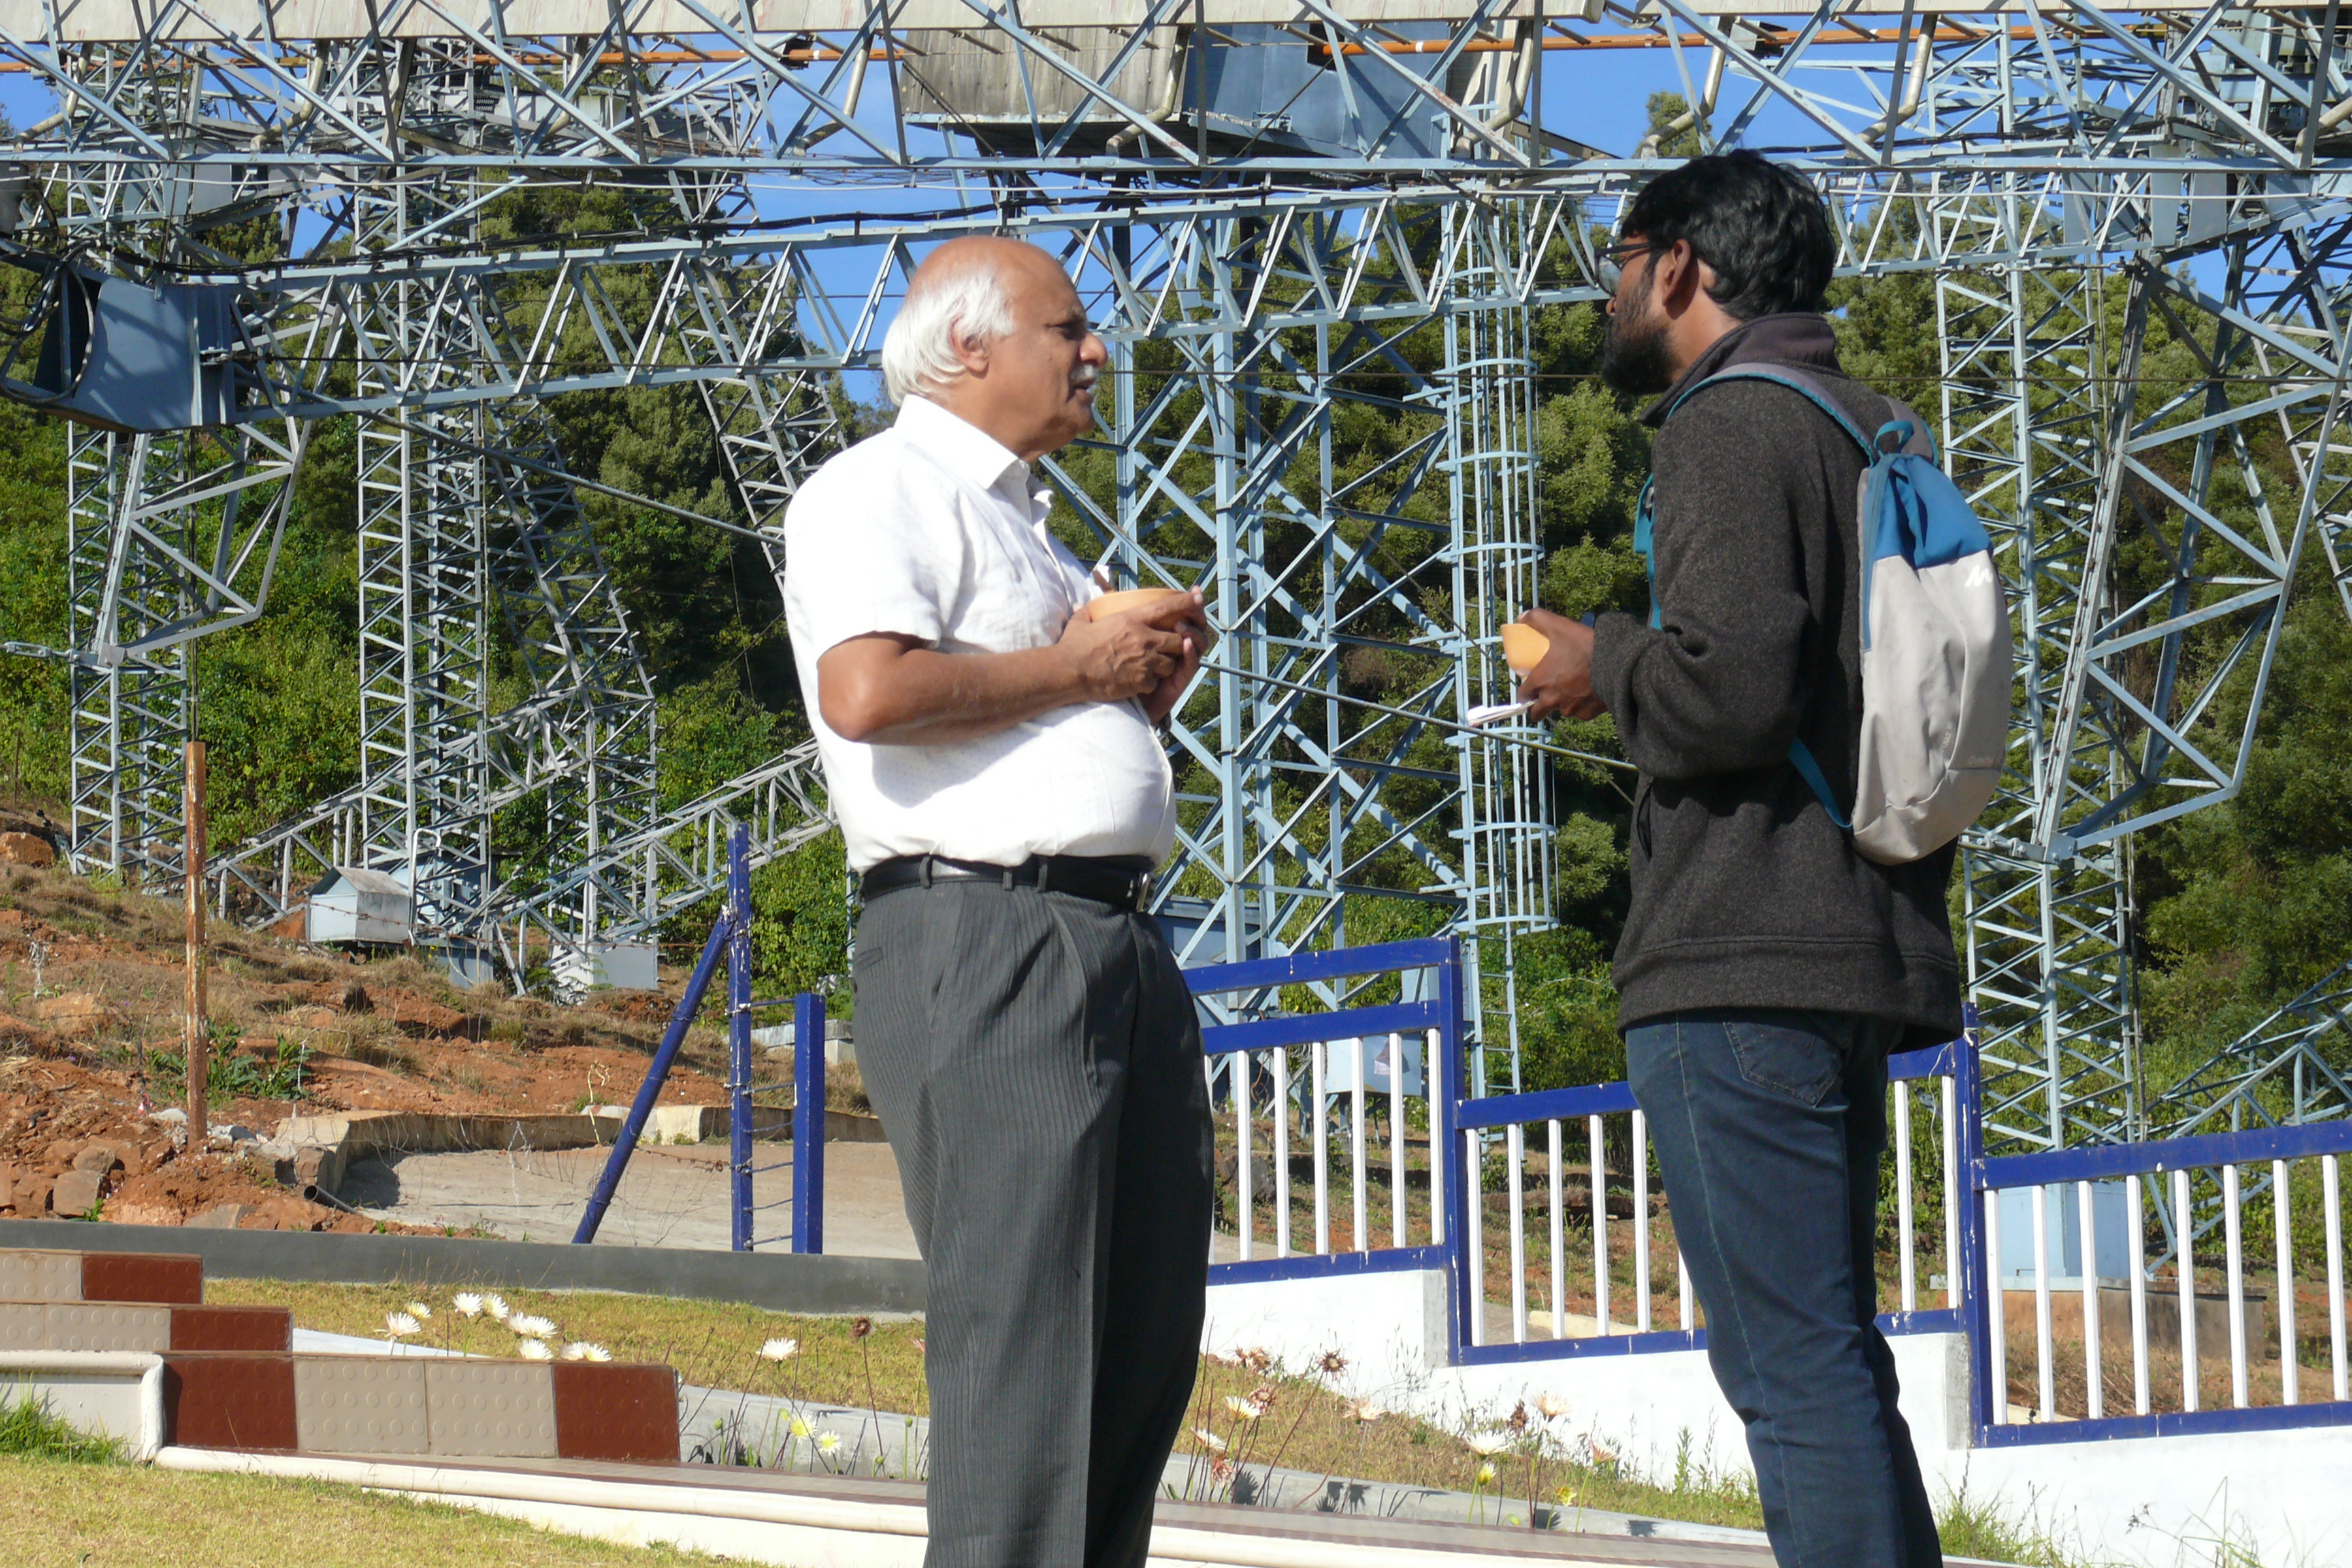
1265, 204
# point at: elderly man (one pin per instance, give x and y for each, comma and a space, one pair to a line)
1022, 1027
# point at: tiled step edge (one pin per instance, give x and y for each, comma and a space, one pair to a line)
142, 1327
455, 1407
34, 1273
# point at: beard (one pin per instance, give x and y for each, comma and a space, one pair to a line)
1634, 346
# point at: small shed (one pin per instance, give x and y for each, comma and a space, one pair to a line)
609, 967
352, 903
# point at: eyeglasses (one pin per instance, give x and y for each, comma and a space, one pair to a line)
1609, 263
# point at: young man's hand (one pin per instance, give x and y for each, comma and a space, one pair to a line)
1562, 685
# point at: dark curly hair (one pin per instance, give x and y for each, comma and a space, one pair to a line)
1762, 228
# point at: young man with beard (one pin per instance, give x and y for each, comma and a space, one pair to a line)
1767, 968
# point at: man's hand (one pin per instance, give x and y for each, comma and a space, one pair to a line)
889, 689
1134, 654
1562, 684
1194, 627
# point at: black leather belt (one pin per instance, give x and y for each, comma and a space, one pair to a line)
1122, 883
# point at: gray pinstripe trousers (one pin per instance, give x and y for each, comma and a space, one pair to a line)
1037, 1064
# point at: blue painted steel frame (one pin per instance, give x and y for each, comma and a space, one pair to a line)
1442, 1012
1329, 1265
2254, 1145
808, 1123
1968, 1092
739, 1035
2177, 1423
634, 1125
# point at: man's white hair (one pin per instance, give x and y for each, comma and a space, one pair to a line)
965, 304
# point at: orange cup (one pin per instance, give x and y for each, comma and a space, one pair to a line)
1524, 648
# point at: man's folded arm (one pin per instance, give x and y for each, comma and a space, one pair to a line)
887, 689
1717, 686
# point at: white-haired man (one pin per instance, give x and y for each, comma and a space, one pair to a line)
1023, 1029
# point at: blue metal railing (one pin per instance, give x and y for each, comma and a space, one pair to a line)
1462, 1128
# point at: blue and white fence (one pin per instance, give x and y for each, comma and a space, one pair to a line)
1290, 1071
2165, 1351
1358, 1056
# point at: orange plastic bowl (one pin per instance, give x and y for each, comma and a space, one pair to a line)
1110, 605
1524, 648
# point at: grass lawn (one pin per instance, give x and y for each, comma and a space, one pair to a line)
106, 1515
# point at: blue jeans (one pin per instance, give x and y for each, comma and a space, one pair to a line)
1768, 1126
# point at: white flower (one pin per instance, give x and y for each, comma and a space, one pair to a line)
800, 1427
1209, 1440
828, 1443
419, 1311
1487, 1443
1485, 1474
468, 1304
496, 1306
531, 1328
1247, 1409
1369, 1410
1552, 1404
399, 1325
780, 1350
534, 1350
583, 1349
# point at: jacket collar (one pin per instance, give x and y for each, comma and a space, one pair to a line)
966, 450
1795, 336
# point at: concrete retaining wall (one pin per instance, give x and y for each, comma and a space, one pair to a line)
782, 1282
2281, 1495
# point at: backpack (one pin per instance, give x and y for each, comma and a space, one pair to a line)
1936, 648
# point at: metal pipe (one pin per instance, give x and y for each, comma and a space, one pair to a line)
2284, 1234
1515, 1150
634, 1124
1559, 1264
738, 1037
2093, 1374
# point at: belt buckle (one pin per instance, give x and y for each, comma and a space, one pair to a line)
1143, 882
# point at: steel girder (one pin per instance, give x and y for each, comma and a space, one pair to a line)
2025, 155
898, 86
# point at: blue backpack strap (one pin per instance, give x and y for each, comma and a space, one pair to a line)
1795, 380
1644, 523
1801, 756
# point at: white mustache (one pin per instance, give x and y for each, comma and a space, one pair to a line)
1085, 383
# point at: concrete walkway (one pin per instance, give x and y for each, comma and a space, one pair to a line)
840, 1521
669, 1196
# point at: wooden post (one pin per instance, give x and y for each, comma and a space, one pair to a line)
196, 1036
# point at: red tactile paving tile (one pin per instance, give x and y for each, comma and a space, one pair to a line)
143, 1276
232, 1328
607, 1410
229, 1401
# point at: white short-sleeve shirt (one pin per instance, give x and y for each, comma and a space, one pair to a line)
930, 530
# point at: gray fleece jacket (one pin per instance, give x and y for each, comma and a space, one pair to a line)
1745, 894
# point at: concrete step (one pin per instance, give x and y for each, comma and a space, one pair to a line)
142, 1326
41, 1275
470, 1407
